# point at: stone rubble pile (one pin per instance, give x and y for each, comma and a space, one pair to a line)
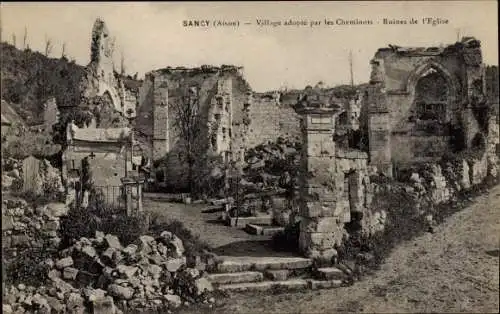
27, 226
12, 170
272, 165
101, 275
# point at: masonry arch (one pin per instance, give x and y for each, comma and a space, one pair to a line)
437, 70
113, 96
432, 92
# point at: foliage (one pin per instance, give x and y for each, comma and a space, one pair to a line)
187, 122
79, 115
23, 143
30, 78
100, 216
185, 287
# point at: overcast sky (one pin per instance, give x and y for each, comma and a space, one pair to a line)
151, 35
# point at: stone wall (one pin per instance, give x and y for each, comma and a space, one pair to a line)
430, 185
27, 227
251, 119
406, 106
266, 120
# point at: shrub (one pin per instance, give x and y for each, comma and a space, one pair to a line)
192, 243
100, 216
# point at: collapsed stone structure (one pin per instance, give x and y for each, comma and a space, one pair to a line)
101, 77
233, 117
333, 181
424, 101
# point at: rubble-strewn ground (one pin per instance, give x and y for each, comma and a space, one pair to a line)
453, 270
223, 239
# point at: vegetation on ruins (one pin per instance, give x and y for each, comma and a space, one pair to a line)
189, 128
29, 78
20, 143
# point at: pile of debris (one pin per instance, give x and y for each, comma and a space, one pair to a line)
25, 226
101, 275
11, 173
271, 166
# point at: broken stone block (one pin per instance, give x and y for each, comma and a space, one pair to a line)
94, 294
144, 244
173, 242
193, 272
173, 300
111, 256
89, 251
112, 241
56, 210
103, 305
70, 273
64, 262
127, 271
155, 271
277, 275
7, 309
124, 293
56, 305
75, 303
174, 264
41, 303
157, 259
203, 285
130, 250
62, 285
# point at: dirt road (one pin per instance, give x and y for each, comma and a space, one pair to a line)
455, 269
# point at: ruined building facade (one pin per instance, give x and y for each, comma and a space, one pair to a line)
423, 102
101, 78
232, 118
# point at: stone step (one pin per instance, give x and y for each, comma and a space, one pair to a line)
233, 264
266, 285
277, 275
263, 230
292, 284
232, 278
241, 222
324, 284
329, 273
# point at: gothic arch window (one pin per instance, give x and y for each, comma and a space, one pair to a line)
432, 94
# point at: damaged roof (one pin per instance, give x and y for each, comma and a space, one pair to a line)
466, 42
109, 135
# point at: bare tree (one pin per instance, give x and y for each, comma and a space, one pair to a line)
63, 52
48, 46
188, 126
122, 62
14, 39
25, 38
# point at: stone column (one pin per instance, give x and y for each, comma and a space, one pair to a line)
321, 225
128, 184
140, 184
379, 130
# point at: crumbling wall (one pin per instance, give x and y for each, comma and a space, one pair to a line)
265, 120
26, 227
418, 96
423, 188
